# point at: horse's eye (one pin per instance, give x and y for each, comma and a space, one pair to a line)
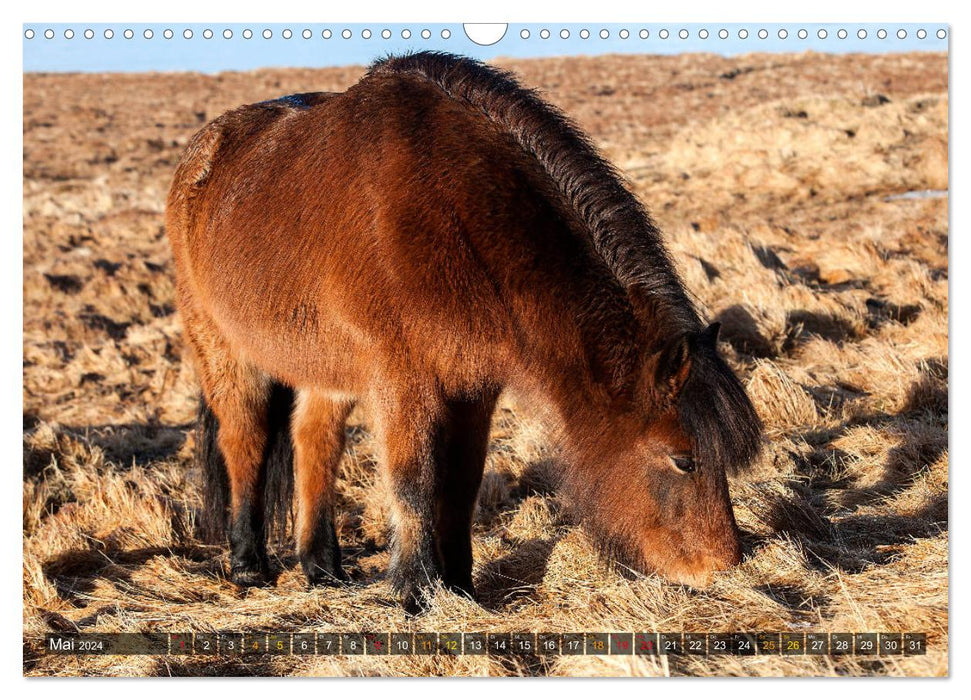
685, 463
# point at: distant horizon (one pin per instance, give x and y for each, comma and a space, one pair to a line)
149, 48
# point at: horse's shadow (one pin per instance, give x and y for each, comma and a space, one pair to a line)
125, 445
137, 444
75, 572
740, 329
504, 581
793, 597
831, 515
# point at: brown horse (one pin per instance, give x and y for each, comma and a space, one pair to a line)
416, 244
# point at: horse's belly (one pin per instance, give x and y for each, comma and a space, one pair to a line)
323, 354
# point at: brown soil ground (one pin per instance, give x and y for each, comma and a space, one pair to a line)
772, 176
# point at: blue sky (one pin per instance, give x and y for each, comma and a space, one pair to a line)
366, 42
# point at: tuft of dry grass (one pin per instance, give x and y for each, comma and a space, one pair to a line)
771, 176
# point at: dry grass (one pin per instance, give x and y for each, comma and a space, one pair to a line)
770, 176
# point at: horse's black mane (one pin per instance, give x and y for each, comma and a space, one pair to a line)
715, 410
713, 406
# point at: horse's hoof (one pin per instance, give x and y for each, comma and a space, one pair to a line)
414, 605
462, 588
326, 579
415, 600
323, 574
249, 578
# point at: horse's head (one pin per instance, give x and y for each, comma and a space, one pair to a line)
655, 491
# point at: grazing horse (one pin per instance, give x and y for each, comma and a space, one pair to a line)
416, 244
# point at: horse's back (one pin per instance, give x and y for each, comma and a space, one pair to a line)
381, 216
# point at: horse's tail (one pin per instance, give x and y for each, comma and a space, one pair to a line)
276, 474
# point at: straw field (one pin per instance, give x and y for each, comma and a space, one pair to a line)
777, 180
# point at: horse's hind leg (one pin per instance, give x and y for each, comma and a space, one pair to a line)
466, 441
238, 395
318, 441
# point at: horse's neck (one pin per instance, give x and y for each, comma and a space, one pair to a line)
581, 350
610, 343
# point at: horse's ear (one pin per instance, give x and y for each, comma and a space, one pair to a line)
673, 365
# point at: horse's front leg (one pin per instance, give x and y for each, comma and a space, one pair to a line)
412, 428
466, 441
